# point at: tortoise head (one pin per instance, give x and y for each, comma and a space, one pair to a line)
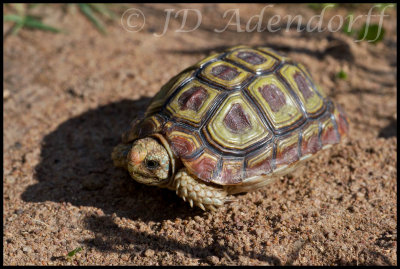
147, 161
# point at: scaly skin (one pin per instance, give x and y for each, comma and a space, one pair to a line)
198, 193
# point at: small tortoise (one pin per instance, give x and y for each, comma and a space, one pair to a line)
230, 124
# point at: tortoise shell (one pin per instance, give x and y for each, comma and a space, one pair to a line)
243, 113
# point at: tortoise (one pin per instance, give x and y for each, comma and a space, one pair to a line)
230, 124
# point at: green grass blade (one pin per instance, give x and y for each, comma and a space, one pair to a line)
72, 253
371, 33
346, 27
19, 22
30, 6
14, 18
17, 27
87, 10
341, 74
102, 9
33, 23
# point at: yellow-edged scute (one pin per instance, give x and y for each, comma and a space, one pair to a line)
243, 113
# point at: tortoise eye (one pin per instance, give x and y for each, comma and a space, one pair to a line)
151, 164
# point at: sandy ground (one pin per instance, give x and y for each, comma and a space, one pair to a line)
69, 96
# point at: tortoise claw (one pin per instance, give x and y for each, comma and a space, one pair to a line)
201, 206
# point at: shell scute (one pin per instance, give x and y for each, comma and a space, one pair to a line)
167, 90
329, 134
275, 54
254, 60
236, 124
192, 102
310, 141
225, 75
205, 166
183, 142
260, 163
304, 90
277, 103
287, 150
341, 121
232, 171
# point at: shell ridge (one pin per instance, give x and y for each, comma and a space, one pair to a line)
217, 102
213, 84
273, 160
309, 79
320, 133
218, 170
266, 53
259, 112
239, 65
216, 149
304, 118
291, 92
207, 82
299, 142
195, 154
335, 125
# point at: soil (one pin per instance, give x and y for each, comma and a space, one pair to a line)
68, 97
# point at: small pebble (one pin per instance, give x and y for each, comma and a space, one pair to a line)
6, 94
27, 249
213, 259
149, 253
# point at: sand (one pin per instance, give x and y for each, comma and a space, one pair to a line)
68, 97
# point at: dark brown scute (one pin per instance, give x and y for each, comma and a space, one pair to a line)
251, 57
303, 85
224, 72
146, 128
236, 119
182, 147
274, 97
193, 98
205, 167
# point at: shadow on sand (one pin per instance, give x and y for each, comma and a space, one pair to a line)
76, 167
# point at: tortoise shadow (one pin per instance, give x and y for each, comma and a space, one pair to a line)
76, 167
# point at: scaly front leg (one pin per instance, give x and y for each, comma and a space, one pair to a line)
197, 192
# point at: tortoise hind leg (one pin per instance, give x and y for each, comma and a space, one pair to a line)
198, 193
